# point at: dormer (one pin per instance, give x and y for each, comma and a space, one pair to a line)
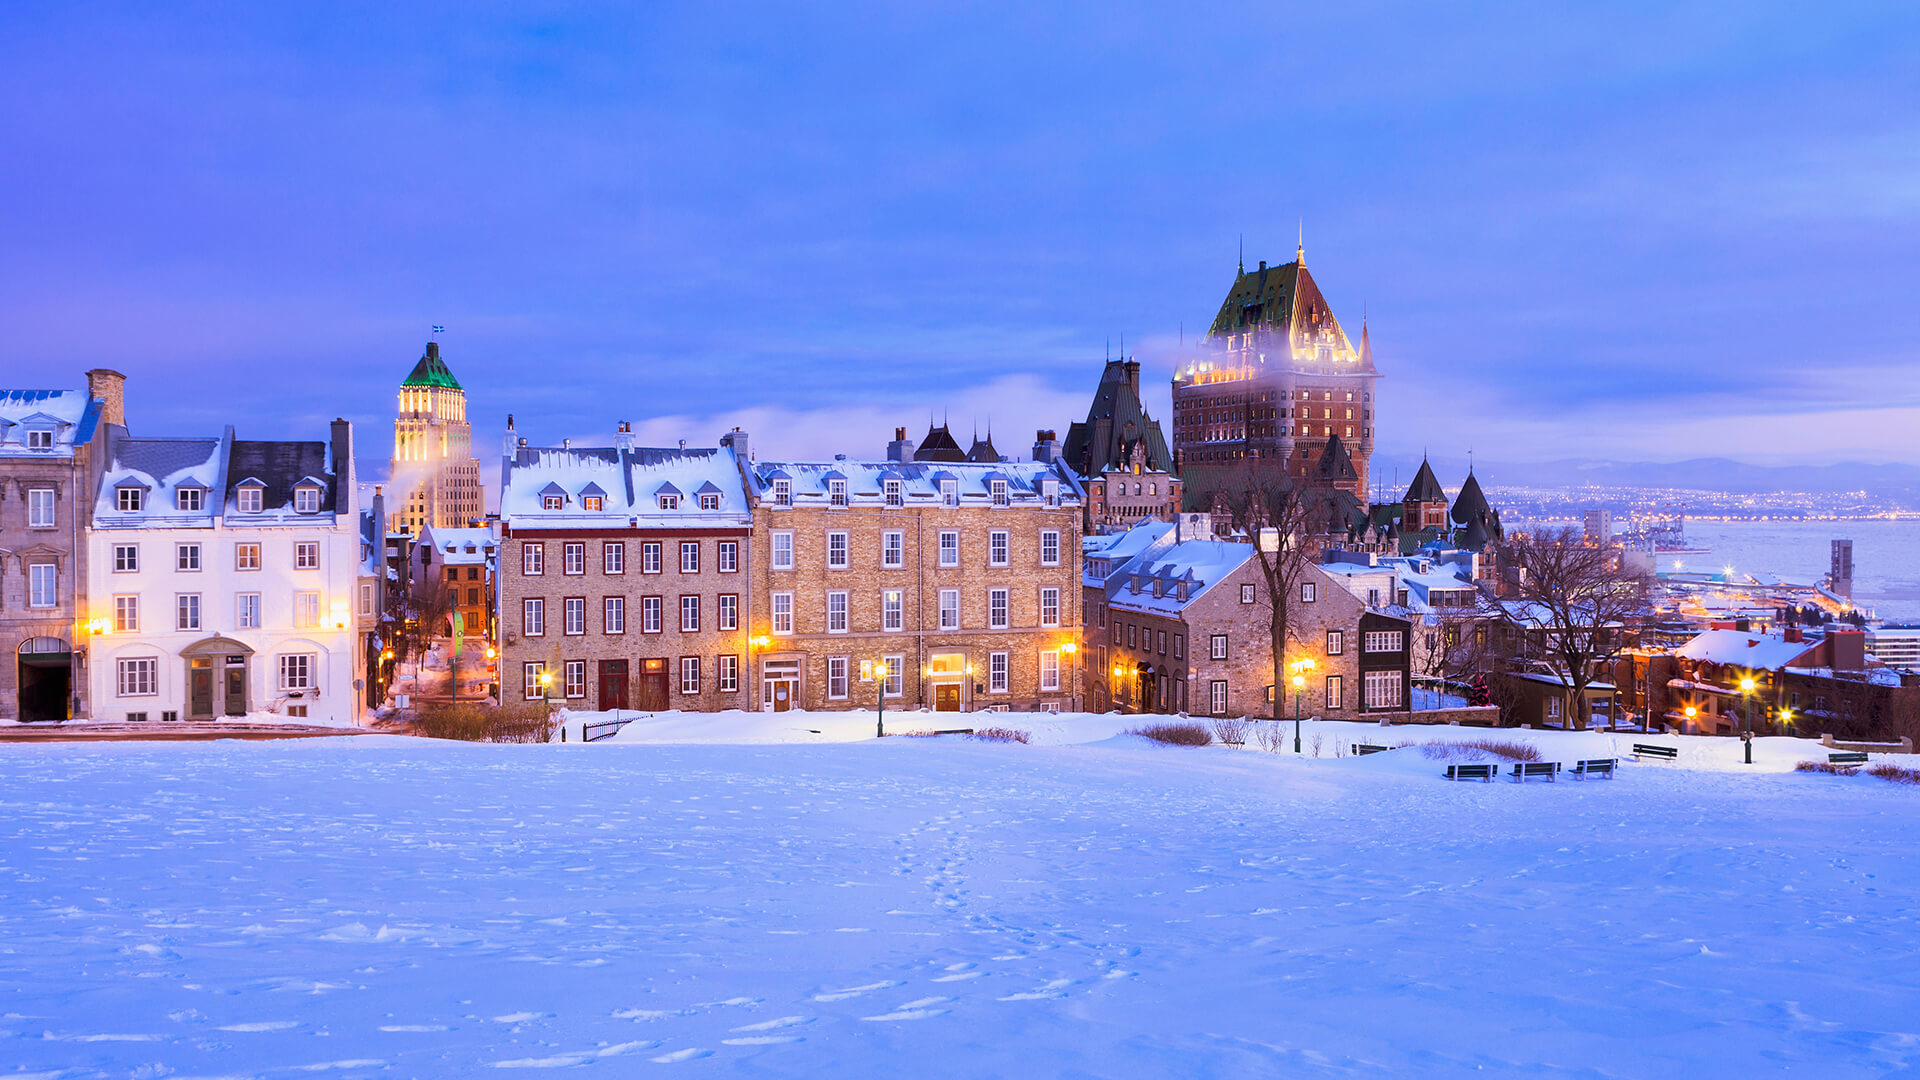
997, 489
40, 431
249, 495
553, 497
893, 488
949, 485
306, 495
709, 495
1050, 491
836, 484
1133, 583
780, 487
667, 497
593, 499
189, 496
1159, 586
130, 496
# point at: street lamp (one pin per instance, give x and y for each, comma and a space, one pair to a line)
1691, 713
1746, 717
880, 676
1299, 686
1118, 672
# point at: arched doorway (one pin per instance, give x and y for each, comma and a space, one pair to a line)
46, 679
218, 682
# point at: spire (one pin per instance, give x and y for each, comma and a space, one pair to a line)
1300, 250
1243, 253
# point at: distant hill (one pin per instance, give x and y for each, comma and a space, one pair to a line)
1894, 482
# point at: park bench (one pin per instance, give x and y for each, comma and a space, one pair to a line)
1594, 767
1473, 772
1363, 749
1524, 769
1658, 753
1847, 757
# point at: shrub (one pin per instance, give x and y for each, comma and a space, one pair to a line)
1230, 730
1175, 734
1824, 767
1447, 751
1271, 736
480, 722
1895, 774
1001, 734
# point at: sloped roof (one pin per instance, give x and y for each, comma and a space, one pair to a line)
939, 446
431, 371
1116, 422
1471, 503
983, 452
1758, 652
1282, 300
281, 467
1336, 463
1425, 487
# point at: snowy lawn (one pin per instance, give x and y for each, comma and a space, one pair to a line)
1088, 905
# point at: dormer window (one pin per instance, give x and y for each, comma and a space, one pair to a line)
895, 493
999, 491
1050, 492
306, 500
949, 492
249, 496
836, 493
709, 502
187, 498
783, 492
592, 502
669, 502
552, 502
40, 440
131, 499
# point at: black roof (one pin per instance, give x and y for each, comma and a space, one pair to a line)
1471, 504
1116, 422
939, 446
280, 466
1426, 487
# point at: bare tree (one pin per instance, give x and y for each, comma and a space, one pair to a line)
429, 608
1284, 520
1569, 603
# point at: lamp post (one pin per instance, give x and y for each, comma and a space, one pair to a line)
1118, 671
1300, 669
1746, 717
880, 676
1691, 713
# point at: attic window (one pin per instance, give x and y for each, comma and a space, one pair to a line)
306, 500
40, 440
592, 502
999, 490
187, 498
783, 492
1050, 492
709, 502
552, 502
248, 496
950, 493
131, 499
895, 493
669, 502
836, 493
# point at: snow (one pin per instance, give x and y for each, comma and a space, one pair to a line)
1758, 652
1088, 905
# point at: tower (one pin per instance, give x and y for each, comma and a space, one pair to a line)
434, 470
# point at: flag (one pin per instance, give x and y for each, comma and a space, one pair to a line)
439, 329
459, 629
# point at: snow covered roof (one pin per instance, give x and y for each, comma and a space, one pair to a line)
70, 415
631, 479
1738, 648
919, 481
1201, 564
458, 546
161, 466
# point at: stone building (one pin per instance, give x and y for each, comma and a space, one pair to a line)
460, 564
1181, 624
958, 579
434, 471
1120, 455
623, 576
50, 462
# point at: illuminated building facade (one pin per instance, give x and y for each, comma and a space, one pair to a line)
433, 465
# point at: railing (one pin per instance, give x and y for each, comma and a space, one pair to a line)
604, 729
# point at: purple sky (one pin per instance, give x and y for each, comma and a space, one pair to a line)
1596, 232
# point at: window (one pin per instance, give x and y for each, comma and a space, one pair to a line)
1049, 670
306, 555
187, 498
186, 611
729, 669
1218, 647
894, 492
650, 557
836, 551
997, 548
366, 598
246, 556
1133, 639
729, 561
40, 439
126, 614
573, 615
949, 492
126, 558
650, 611
1553, 708
669, 502
453, 573
893, 546
533, 616
296, 671
139, 677
40, 508
998, 489
1162, 637
690, 556
892, 610
1382, 641
1049, 547
246, 611
783, 492
1249, 593
689, 674
1333, 692
781, 604
709, 501
836, 676
1336, 642
613, 558
895, 684
836, 493
552, 502
574, 676
594, 503
614, 615
130, 499
949, 547
533, 560
531, 673
573, 558
1050, 606
689, 614
782, 550
43, 585
729, 611
186, 558
949, 609
836, 613
997, 673
306, 500
250, 498
996, 609
1217, 697
1050, 492
1381, 689
1179, 646
1308, 592
1116, 630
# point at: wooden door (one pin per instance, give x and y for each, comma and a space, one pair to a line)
200, 689
946, 697
613, 684
653, 690
782, 694
236, 689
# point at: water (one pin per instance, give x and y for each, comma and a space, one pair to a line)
1886, 556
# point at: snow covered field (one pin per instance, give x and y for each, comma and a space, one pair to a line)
1089, 905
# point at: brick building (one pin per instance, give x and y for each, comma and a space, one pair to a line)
624, 577
1120, 455
459, 563
958, 577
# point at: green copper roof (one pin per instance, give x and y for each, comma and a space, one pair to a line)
432, 371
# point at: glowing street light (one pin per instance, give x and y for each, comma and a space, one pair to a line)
1746, 716
880, 676
1300, 668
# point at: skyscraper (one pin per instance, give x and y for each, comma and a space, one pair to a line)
434, 470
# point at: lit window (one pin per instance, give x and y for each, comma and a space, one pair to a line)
126, 614
533, 560
552, 502
530, 673
593, 503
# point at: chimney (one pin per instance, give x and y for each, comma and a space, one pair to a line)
901, 448
341, 445
1792, 635
1046, 448
433, 350
737, 440
623, 436
511, 444
683, 444
1132, 368
1849, 650
110, 387
1263, 265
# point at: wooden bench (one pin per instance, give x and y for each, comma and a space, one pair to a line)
1524, 769
1594, 767
1363, 749
1658, 753
1847, 757
1473, 772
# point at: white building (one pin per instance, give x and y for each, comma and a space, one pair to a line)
225, 579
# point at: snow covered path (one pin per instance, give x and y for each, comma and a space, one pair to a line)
914, 907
